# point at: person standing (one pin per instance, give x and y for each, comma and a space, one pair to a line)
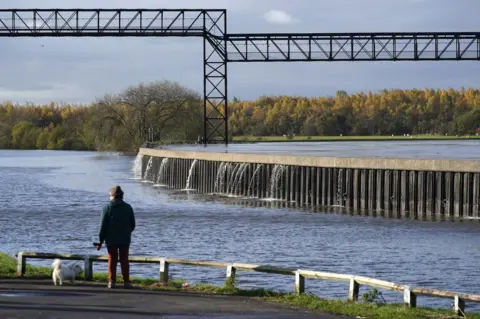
117, 225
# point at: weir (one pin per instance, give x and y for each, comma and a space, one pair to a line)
398, 188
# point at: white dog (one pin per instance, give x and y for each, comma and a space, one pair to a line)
63, 272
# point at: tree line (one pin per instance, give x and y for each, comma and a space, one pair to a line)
123, 122
166, 111
386, 112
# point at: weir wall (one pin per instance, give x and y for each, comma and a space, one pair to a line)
411, 188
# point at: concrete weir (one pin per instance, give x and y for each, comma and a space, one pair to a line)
411, 188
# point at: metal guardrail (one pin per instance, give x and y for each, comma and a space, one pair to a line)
409, 293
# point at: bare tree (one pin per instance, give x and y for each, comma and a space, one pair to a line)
149, 111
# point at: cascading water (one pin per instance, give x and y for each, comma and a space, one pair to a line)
220, 179
231, 177
149, 171
253, 179
238, 177
190, 173
220, 172
137, 167
161, 173
277, 173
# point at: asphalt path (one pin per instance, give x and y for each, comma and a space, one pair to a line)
39, 299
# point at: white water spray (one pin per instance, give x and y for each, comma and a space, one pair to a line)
253, 178
220, 179
190, 173
238, 178
137, 167
161, 172
148, 171
275, 178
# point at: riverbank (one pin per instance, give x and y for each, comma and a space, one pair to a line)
372, 307
276, 139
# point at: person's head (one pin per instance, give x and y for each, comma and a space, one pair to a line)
116, 193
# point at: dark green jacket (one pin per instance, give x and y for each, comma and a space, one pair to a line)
118, 223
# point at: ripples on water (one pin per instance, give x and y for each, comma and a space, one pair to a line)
51, 202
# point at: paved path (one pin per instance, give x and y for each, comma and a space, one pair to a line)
34, 299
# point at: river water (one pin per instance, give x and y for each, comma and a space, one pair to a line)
51, 201
446, 149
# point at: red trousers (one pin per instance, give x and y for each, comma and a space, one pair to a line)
113, 256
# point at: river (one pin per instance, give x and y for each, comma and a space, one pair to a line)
51, 202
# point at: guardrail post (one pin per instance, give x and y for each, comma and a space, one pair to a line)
21, 264
163, 271
459, 306
88, 266
409, 298
230, 280
299, 283
354, 290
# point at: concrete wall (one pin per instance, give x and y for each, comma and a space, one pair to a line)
435, 165
421, 189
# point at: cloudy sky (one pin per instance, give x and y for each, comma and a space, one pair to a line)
81, 69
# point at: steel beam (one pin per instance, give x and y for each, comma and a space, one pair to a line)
102, 22
331, 47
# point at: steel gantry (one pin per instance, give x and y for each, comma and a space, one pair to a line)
221, 48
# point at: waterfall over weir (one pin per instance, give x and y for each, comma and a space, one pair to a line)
161, 173
242, 180
189, 178
149, 174
137, 167
393, 188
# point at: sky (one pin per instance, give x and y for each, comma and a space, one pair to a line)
80, 70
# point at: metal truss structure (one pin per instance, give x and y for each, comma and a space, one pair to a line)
221, 48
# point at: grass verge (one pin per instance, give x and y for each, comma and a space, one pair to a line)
8, 269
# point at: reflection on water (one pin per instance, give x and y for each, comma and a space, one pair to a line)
51, 202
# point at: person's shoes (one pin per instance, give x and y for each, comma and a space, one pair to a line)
111, 285
127, 285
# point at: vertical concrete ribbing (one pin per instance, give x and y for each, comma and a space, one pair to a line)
476, 195
372, 190
302, 185
467, 194
356, 189
292, 183
404, 198
324, 186
422, 194
396, 194
439, 193
430, 202
388, 193
458, 194
318, 186
349, 188
364, 189
380, 190
341, 187
307, 186
449, 194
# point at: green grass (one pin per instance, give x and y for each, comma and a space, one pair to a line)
244, 139
8, 269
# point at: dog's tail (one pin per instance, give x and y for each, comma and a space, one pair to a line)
57, 264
